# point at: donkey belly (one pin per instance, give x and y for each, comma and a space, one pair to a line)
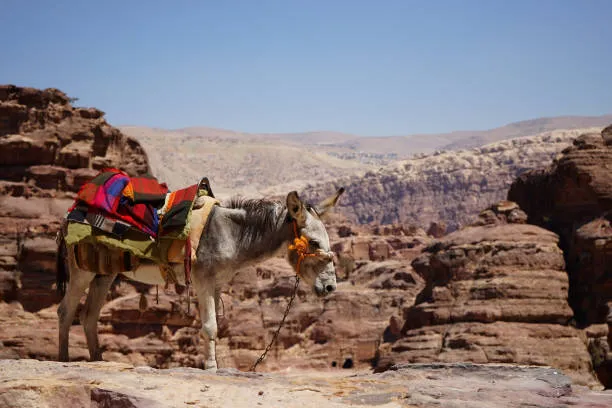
149, 273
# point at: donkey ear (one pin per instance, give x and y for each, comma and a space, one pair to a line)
329, 202
296, 209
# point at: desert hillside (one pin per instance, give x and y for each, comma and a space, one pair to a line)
381, 147
450, 186
249, 166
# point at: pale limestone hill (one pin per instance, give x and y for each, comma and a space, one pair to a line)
451, 186
265, 163
237, 165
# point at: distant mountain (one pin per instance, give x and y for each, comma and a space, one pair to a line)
428, 143
239, 163
400, 146
266, 163
464, 140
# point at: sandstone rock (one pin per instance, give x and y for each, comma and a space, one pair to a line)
437, 229
573, 197
46, 152
345, 231
164, 311
493, 293
340, 331
48, 177
29, 383
75, 155
37, 261
90, 113
503, 212
607, 135
22, 150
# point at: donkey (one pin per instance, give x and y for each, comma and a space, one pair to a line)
243, 232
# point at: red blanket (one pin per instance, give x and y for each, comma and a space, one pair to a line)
116, 196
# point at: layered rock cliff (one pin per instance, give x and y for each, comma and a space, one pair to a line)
48, 148
494, 293
450, 186
340, 331
573, 197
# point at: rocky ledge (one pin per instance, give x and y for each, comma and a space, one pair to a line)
573, 198
31, 383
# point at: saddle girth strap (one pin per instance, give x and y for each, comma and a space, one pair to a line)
187, 264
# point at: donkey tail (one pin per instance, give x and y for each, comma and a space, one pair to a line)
61, 272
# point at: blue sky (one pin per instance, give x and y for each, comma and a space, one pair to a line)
366, 67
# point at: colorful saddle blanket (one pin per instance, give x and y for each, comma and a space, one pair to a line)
114, 202
116, 220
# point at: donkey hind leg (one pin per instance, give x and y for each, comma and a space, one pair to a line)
98, 289
205, 291
79, 279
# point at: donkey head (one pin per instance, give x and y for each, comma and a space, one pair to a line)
310, 254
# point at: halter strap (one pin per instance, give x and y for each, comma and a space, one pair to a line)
300, 245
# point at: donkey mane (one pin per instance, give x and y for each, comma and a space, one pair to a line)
262, 215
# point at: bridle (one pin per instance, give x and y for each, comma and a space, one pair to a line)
301, 246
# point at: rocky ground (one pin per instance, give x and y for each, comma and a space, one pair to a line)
33, 384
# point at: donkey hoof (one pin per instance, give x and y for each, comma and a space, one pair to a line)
210, 365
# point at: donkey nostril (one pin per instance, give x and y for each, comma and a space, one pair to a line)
330, 288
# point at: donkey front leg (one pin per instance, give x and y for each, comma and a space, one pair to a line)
205, 288
89, 315
79, 279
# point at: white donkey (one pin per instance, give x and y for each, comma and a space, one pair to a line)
238, 234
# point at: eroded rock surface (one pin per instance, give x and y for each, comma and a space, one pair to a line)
30, 383
573, 197
48, 148
342, 330
495, 292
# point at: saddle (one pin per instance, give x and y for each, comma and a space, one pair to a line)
117, 220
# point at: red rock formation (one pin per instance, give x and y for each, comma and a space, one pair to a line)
479, 281
47, 149
342, 330
573, 197
494, 293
